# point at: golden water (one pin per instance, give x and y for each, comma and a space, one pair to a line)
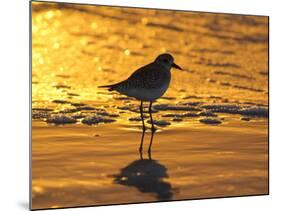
76, 48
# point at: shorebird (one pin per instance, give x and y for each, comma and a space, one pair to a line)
147, 84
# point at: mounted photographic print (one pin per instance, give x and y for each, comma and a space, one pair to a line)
135, 105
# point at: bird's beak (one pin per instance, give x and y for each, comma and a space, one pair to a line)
176, 66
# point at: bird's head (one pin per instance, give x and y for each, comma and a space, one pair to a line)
166, 60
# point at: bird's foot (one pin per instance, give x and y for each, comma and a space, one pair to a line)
149, 154
153, 129
140, 152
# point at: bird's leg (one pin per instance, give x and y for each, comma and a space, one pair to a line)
150, 144
153, 129
142, 117
143, 127
140, 148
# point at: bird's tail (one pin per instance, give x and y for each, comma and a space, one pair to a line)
110, 87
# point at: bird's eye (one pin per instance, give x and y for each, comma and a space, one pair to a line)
165, 60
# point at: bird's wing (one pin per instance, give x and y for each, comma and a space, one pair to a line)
146, 76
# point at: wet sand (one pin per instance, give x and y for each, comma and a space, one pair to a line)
76, 165
212, 137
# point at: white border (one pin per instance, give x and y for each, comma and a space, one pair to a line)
15, 103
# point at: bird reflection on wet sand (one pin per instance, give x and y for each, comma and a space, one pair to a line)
146, 175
